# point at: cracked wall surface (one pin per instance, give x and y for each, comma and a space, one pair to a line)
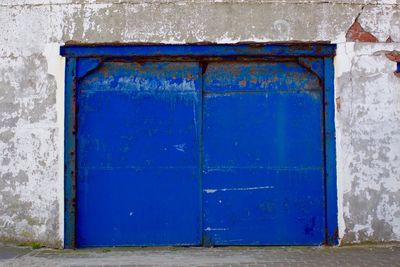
31, 93
368, 142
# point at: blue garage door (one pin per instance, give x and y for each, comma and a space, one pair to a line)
263, 154
138, 162
201, 153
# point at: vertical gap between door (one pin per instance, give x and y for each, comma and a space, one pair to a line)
201, 215
323, 103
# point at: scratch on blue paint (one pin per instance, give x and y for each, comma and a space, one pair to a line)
211, 191
180, 147
216, 229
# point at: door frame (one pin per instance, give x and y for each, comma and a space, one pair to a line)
199, 52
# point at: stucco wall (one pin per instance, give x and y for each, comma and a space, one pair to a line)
31, 94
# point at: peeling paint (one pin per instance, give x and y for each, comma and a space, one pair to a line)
356, 33
56, 68
368, 144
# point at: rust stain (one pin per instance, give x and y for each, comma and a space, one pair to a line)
356, 33
319, 49
190, 77
74, 108
302, 47
236, 72
104, 70
243, 83
338, 104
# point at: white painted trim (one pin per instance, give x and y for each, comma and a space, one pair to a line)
342, 64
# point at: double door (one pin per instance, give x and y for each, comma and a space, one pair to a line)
200, 153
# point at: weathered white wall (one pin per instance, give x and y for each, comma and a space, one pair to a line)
31, 94
368, 142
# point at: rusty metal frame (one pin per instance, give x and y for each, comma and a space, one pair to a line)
69, 153
331, 208
199, 52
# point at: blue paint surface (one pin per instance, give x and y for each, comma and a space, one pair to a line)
190, 153
263, 156
138, 160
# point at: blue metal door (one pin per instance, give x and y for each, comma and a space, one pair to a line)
137, 153
263, 170
200, 145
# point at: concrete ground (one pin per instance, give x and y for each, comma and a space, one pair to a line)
218, 257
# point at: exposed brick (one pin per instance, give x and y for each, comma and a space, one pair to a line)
356, 33
393, 56
389, 39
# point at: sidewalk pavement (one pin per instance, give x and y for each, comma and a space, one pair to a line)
379, 255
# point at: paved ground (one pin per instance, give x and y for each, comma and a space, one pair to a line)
218, 257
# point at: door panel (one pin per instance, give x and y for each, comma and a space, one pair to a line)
259, 206
138, 161
263, 155
265, 129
